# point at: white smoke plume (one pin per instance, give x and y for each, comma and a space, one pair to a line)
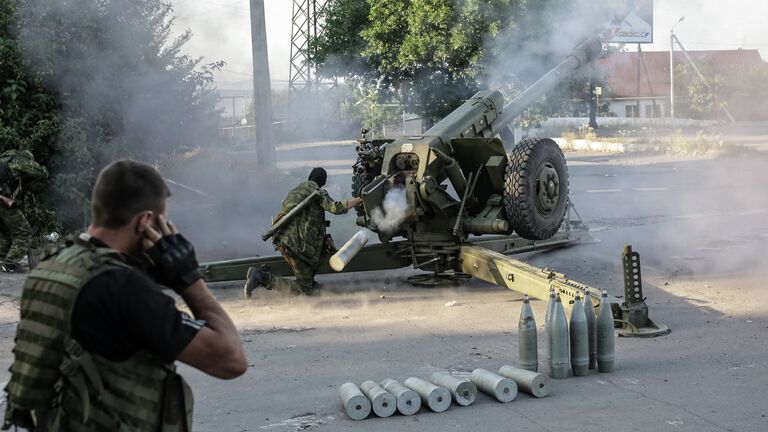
392, 211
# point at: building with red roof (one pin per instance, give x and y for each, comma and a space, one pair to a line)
737, 70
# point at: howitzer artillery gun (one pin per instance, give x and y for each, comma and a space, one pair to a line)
469, 233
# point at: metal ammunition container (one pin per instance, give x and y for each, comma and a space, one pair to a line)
355, 403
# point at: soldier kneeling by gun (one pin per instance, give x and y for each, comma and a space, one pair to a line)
299, 235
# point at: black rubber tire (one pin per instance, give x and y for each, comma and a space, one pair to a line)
530, 158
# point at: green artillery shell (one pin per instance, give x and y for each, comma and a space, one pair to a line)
463, 391
605, 341
528, 357
384, 403
558, 342
589, 311
579, 337
548, 320
533, 383
503, 389
355, 403
408, 401
436, 398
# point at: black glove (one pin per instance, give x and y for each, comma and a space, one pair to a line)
175, 263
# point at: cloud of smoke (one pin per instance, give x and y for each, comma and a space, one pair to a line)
392, 211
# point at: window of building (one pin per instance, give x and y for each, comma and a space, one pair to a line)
632, 111
653, 111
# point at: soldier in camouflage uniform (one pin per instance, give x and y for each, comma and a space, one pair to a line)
302, 241
15, 232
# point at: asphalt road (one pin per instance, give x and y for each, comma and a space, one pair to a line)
699, 226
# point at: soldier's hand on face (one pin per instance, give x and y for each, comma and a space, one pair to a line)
175, 264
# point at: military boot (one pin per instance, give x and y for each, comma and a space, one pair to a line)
253, 279
12, 268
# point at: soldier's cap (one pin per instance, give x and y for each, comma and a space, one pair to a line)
319, 176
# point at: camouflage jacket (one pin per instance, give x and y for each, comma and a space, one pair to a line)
23, 167
304, 235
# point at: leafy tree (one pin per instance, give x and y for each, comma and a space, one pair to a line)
28, 115
123, 88
433, 54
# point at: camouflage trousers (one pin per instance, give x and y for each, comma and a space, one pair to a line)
303, 280
15, 235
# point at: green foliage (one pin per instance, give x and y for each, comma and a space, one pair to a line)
28, 117
433, 54
108, 81
362, 102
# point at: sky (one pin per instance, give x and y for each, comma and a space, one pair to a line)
221, 30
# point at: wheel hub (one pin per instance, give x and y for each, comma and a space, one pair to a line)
547, 188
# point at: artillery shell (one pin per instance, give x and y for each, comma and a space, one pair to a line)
589, 311
579, 338
355, 403
605, 339
548, 320
558, 342
463, 391
408, 401
528, 356
503, 389
436, 398
533, 383
383, 403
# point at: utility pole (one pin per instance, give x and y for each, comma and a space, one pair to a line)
592, 104
262, 93
672, 68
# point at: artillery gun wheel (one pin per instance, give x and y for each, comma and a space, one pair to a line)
536, 188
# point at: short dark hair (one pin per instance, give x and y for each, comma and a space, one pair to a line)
124, 189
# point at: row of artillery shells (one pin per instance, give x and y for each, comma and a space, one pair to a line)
436, 393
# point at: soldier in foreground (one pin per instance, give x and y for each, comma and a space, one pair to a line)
97, 340
15, 232
302, 241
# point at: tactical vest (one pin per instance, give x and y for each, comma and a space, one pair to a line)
61, 387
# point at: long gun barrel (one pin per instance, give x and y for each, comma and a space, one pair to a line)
483, 116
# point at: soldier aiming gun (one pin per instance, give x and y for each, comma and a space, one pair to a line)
299, 235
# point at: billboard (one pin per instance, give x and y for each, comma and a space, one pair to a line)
631, 21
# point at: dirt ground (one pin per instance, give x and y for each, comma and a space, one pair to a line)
699, 225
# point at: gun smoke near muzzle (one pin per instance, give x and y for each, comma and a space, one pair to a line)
392, 211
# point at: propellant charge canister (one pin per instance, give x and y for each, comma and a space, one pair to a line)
408, 401
533, 383
463, 391
503, 389
384, 404
355, 403
438, 399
